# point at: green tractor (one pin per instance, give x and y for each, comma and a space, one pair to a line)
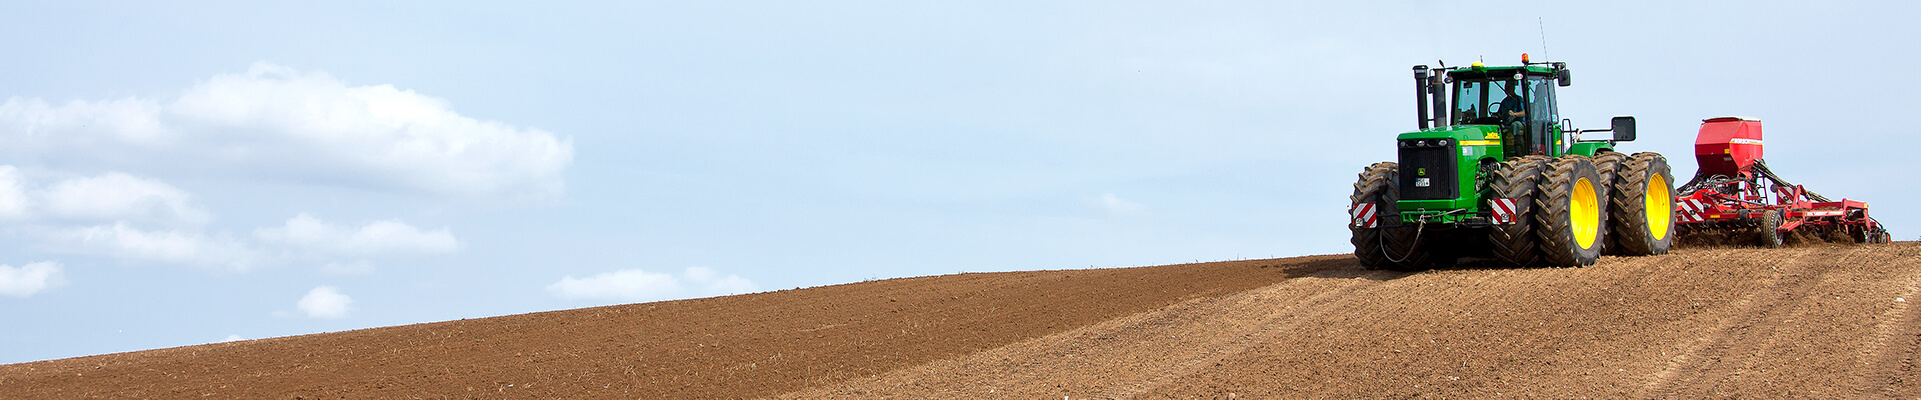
1500, 175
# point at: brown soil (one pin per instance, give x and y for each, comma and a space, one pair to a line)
1816, 320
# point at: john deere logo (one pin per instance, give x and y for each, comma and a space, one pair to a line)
1420, 171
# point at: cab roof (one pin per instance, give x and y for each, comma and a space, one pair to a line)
1502, 72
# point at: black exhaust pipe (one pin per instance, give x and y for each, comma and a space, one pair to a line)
1420, 94
1437, 87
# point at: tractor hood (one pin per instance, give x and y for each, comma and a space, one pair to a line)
1469, 135
1437, 166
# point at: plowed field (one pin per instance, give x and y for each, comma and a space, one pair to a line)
1811, 321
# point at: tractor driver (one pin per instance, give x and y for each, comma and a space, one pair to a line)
1513, 112
1513, 105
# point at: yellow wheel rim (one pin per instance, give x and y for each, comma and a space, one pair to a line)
1660, 206
1585, 212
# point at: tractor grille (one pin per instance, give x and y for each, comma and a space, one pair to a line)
1428, 171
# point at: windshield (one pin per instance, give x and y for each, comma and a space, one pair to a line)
1485, 101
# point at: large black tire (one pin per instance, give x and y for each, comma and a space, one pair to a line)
1641, 207
1609, 164
1514, 244
1567, 212
1770, 229
1377, 185
1391, 245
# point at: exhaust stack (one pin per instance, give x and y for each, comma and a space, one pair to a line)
1420, 94
1428, 85
1437, 87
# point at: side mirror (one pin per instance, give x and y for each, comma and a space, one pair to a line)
1561, 78
1623, 127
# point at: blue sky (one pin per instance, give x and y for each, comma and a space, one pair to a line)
176, 174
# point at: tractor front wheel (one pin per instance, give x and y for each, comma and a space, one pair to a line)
1568, 212
1376, 186
1513, 244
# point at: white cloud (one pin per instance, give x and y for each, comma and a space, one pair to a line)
271, 123
109, 197
280, 124
26, 280
386, 237
1116, 205
139, 219
232, 338
639, 285
14, 202
376, 238
173, 246
120, 197
325, 302
102, 214
31, 125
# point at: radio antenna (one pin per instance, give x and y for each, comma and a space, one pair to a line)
1543, 25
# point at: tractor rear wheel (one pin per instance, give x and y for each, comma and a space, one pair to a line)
1770, 229
1377, 186
1513, 244
1567, 213
1641, 206
1609, 165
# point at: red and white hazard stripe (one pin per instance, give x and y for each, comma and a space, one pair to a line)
1503, 210
1823, 213
1363, 215
1690, 210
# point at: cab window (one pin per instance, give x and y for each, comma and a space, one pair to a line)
1485, 101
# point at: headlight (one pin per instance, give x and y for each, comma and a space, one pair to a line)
1442, 142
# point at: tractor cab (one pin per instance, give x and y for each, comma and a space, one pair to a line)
1518, 100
